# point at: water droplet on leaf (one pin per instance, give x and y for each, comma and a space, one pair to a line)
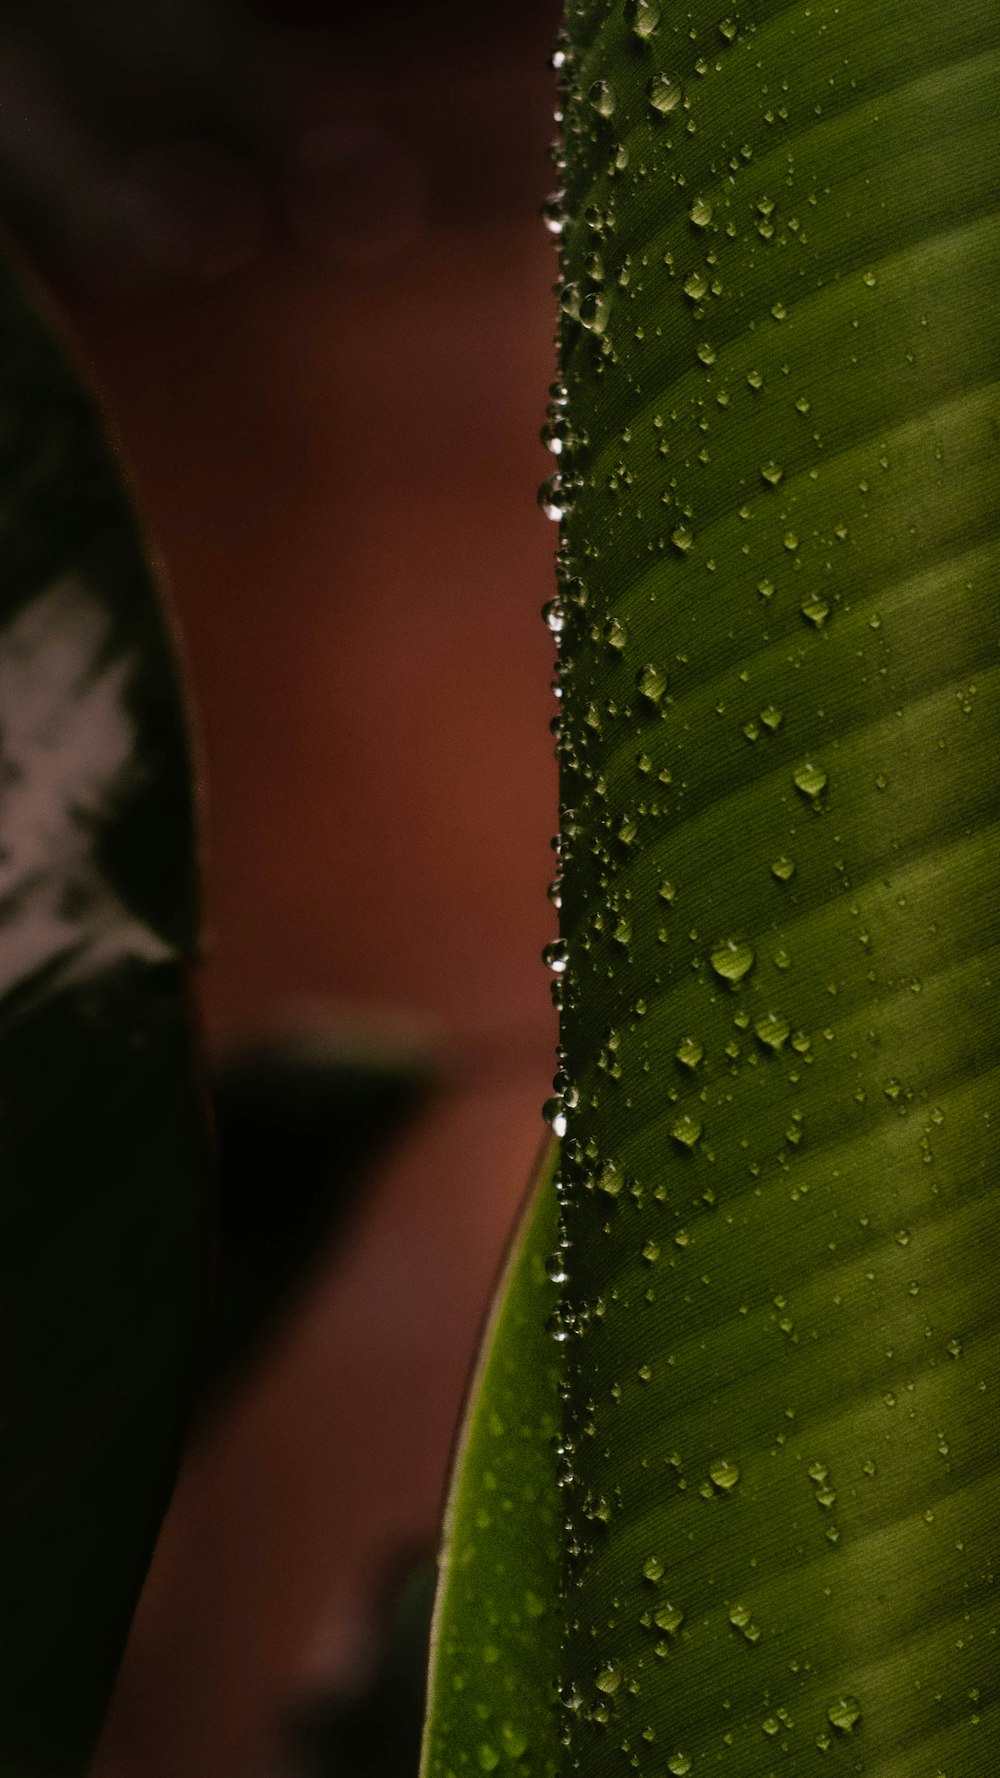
732, 959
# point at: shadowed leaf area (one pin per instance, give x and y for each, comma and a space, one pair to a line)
495, 1637
106, 1200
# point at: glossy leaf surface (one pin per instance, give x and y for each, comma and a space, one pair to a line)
104, 1200
780, 887
497, 1617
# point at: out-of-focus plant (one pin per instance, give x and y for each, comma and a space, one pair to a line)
106, 1199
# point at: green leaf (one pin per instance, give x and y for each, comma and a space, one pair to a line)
106, 1207
780, 729
496, 1628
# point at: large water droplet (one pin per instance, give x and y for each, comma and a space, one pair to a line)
815, 609
611, 1178
772, 1029
551, 499
554, 1113
652, 682
810, 779
686, 1130
724, 1474
664, 93
602, 98
732, 958
595, 309
643, 16
555, 956
553, 214
844, 1713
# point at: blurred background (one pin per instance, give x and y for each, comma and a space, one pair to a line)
297, 250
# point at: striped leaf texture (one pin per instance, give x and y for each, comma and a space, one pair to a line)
778, 480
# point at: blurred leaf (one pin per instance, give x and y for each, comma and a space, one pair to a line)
106, 1202
496, 1622
300, 1121
375, 1733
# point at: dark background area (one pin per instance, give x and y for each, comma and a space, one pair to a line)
297, 250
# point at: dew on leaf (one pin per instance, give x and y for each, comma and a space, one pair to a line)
772, 1029
664, 92
732, 959
724, 1474
556, 956
652, 682
810, 779
815, 609
554, 1114
686, 1130
611, 1179
843, 1713
595, 310
643, 16
602, 98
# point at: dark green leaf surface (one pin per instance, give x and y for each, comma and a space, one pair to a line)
104, 1202
780, 887
495, 1640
